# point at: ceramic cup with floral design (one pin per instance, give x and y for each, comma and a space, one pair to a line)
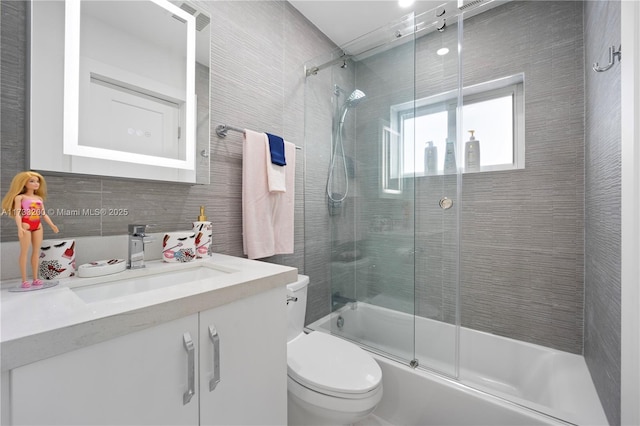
57, 259
179, 247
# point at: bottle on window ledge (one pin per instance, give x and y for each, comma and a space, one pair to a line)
430, 159
450, 166
472, 154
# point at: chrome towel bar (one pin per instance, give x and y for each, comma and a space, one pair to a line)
222, 129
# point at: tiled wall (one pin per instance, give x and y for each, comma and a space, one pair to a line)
602, 206
12, 96
521, 232
522, 243
257, 82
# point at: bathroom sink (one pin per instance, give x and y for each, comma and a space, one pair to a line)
139, 284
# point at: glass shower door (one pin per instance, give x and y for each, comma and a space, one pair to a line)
391, 241
370, 196
437, 185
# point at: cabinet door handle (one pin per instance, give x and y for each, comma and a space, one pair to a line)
191, 368
215, 339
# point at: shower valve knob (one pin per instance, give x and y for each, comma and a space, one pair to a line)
445, 203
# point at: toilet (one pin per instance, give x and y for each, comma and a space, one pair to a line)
330, 380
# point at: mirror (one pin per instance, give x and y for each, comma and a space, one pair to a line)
120, 88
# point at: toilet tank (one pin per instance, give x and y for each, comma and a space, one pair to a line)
296, 308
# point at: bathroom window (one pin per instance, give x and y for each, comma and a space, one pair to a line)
494, 110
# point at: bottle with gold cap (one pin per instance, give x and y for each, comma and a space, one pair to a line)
202, 217
472, 154
204, 235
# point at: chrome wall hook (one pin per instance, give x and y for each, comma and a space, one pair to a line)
613, 53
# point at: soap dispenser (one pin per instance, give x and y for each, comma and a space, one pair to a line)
472, 154
450, 158
204, 234
430, 159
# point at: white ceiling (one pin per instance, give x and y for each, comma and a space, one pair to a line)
344, 21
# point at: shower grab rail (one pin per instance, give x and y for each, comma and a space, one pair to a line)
222, 129
613, 54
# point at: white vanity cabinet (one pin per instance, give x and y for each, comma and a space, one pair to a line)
253, 362
141, 378
136, 379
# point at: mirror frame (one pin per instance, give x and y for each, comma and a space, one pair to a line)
46, 104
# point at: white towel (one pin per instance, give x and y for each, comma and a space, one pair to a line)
275, 174
267, 217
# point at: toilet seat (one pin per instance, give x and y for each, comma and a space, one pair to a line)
332, 366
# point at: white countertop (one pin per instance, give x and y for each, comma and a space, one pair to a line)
44, 323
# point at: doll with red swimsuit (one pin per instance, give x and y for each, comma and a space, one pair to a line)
25, 203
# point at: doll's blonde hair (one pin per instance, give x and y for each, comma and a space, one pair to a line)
18, 187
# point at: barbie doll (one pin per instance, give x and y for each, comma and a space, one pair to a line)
25, 202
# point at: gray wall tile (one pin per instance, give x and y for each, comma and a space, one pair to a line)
602, 206
12, 95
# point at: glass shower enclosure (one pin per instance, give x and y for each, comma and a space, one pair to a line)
427, 240
382, 190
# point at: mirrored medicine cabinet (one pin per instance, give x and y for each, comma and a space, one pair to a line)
120, 88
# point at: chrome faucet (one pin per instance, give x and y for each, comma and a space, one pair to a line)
137, 240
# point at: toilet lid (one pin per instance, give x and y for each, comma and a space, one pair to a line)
328, 363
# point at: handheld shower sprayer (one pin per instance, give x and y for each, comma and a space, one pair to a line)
335, 197
352, 101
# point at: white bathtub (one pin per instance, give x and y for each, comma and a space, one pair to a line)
501, 381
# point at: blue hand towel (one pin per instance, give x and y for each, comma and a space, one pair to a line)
276, 148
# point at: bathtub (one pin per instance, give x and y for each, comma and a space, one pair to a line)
500, 381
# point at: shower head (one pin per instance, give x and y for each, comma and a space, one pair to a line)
352, 101
354, 98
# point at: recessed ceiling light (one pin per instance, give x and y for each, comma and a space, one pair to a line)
405, 3
442, 51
